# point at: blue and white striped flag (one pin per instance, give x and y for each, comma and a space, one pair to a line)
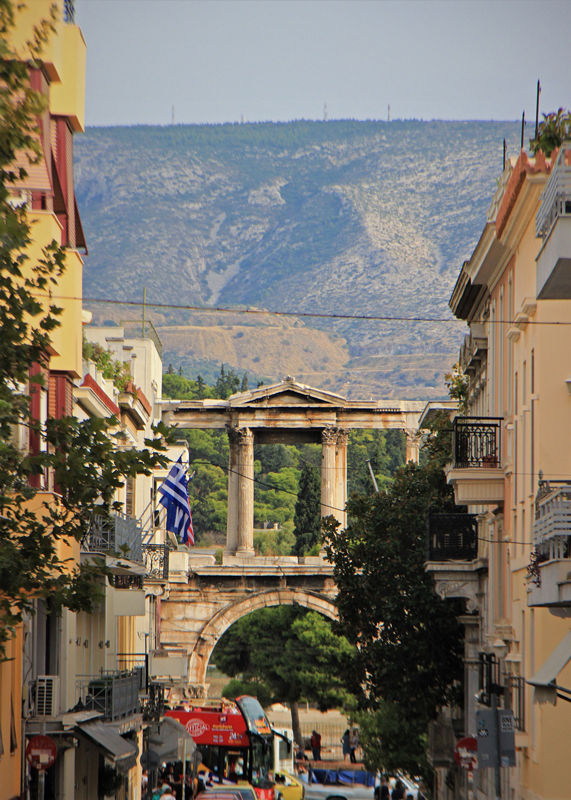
174, 498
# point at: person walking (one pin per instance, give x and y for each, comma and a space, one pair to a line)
398, 791
383, 791
354, 744
345, 741
315, 742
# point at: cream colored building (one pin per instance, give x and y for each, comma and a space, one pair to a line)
512, 468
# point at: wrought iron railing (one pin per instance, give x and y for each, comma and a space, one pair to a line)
153, 704
489, 678
156, 561
556, 197
115, 695
69, 11
477, 442
117, 534
451, 537
515, 699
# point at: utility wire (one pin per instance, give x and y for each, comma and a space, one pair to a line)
295, 314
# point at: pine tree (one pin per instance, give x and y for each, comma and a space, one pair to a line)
307, 518
244, 386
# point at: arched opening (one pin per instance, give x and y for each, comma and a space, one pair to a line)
227, 616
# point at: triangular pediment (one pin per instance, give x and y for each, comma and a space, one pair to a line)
287, 393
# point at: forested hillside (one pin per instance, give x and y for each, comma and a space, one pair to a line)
339, 217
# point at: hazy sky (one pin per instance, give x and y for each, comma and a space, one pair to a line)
216, 60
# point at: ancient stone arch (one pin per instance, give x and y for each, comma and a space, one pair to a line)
290, 412
227, 616
203, 599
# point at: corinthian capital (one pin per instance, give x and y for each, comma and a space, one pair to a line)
329, 436
240, 436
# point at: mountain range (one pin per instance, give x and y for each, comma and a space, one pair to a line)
338, 217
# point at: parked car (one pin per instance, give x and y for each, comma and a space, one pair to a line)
340, 784
288, 787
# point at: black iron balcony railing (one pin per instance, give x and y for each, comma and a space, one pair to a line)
451, 537
477, 442
117, 534
153, 704
489, 678
156, 561
114, 694
515, 699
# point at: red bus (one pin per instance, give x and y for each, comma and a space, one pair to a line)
235, 740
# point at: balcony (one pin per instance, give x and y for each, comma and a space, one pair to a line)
550, 569
451, 537
114, 695
452, 556
553, 225
515, 699
153, 703
117, 535
156, 558
476, 473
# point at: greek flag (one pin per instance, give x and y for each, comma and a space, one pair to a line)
174, 498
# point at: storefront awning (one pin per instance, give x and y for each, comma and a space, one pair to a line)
544, 680
165, 741
123, 752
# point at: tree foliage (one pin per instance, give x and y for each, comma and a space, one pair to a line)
307, 518
79, 458
408, 641
286, 654
553, 130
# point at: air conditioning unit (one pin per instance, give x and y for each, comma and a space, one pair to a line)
47, 695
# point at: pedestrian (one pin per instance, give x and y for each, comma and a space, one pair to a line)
345, 741
354, 744
167, 793
315, 743
398, 791
383, 791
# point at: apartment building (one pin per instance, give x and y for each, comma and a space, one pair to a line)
48, 193
510, 556
88, 681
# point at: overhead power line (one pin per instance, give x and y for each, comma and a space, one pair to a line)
294, 314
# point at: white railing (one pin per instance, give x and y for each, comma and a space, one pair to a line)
553, 520
556, 197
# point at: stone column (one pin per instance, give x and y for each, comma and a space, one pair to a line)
412, 445
232, 518
245, 493
328, 472
341, 475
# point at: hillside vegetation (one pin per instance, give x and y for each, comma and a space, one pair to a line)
340, 217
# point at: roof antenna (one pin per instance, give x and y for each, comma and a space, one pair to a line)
172, 116
522, 129
504, 154
325, 112
537, 109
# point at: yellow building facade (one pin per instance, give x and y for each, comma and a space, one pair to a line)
511, 467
